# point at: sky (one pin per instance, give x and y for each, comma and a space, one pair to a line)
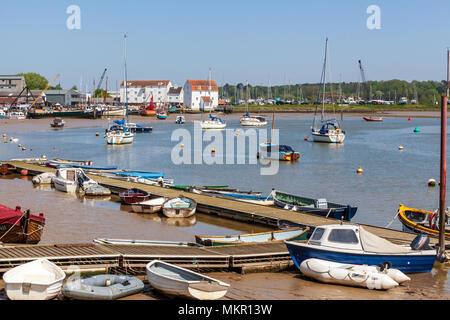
259, 41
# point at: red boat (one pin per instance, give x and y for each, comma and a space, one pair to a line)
20, 227
7, 168
373, 119
133, 196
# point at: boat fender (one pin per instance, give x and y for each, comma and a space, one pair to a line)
387, 265
380, 267
420, 242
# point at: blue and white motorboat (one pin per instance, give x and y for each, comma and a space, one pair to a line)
179, 120
140, 174
354, 245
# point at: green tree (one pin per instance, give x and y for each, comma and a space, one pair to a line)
34, 81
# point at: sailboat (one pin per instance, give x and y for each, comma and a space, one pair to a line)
252, 121
285, 152
212, 122
121, 134
328, 130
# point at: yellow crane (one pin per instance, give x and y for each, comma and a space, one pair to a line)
43, 91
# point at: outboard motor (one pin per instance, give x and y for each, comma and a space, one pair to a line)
421, 242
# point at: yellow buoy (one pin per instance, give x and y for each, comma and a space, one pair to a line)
431, 182
97, 134
43, 156
24, 148
182, 145
400, 147
4, 135
213, 150
359, 170
20, 146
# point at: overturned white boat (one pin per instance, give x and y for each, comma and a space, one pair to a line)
36, 280
43, 178
149, 206
370, 277
180, 282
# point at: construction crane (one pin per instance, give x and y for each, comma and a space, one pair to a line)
43, 91
101, 79
363, 78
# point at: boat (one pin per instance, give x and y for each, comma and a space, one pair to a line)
118, 135
80, 166
133, 127
76, 162
2, 114
252, 238
147, 242
140, 174
328, 130
117, 111
36, 280
369, 277
149, 110
77, 113
57, 123
102, 287
179, 207
19, 115
274, 151
251, 121
133, 195
212, 122
72, 180
421, 221
347, 243
148, 206
313, 206
187, 187
179, 119
175, 281
161, 115
96, 190
43, 178
373, 119
20, 227
251, 197
6, 168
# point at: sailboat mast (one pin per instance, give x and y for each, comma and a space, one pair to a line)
125, 73
324, 79
273, 125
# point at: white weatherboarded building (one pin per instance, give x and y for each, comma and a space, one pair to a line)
141, 91
200, 93
175, 95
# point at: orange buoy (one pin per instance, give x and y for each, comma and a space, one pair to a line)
306, 138
213, 150
359, 170
24, 172
409, 119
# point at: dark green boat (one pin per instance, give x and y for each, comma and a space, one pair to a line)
64, 114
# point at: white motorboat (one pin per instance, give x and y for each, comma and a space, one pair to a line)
253, 121
365, 276
72, 180
149, 206
16, 115
119, 135
180, 282
213, 123
36, 280
180, 119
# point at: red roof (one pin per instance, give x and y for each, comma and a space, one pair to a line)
203, 85
145, 83
206, 99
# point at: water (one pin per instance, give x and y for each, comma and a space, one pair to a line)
328, 171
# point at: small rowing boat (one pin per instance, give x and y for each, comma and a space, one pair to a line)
379, 119
148, 206
261, 237
175, 281
147, 242
133, 195
6, 168
103, 287
421, 221
36, 280
179, 207
20, 227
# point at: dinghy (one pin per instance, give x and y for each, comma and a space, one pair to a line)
351, 275
57, 123
251, 197
180, 282
97, 190
43, 178
147, 242
36, 280
6, 168
149, 206
103, 287
262, 237
421, 221
133, 195
180, 207
355, 245
379, 119
313, 206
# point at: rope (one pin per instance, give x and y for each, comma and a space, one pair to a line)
11, 227
329, 211
395, 217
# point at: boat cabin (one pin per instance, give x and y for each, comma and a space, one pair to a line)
329, 126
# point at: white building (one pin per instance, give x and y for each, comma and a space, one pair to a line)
200, 94
141, 91
175, 95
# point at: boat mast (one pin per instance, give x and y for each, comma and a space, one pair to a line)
324, 80
125, 73
273, 125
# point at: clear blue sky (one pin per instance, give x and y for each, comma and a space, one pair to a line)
255, 40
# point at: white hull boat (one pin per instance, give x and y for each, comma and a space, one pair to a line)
119, 137
212, 124
120, 112
149, 206
180, 207
352, 275
72, 180
332, 136
43, 178
180, 282
249, 121
36, 280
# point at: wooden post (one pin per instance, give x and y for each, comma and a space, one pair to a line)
27, 224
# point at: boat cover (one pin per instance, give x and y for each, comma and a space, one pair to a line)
10, 216
375, 244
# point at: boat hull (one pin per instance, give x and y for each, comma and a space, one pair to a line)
405, 263
64, 185
419, 228
328, 138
